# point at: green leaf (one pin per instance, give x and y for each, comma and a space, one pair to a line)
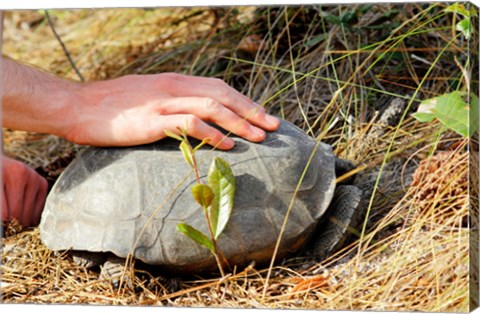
331, 18
205, 141
452, 110
474, 123
465, 26
203, 194
348, 17
315, 40
423, 116
172, 135
187, 152
195, 235
458, 8
222, 181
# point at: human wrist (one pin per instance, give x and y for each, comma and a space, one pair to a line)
64, 108
80, 108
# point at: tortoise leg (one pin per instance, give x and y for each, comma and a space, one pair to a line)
343, 218
343, 166
88, 259
113, 269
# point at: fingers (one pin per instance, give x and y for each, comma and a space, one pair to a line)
5, 209
25, 212
39, 200
210, 110
196, 128
24, 193
134, 109
14, 189
218, 90
34, 195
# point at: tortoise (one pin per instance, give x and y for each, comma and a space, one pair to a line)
129, 200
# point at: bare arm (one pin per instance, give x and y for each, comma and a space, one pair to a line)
129, 110
34, 100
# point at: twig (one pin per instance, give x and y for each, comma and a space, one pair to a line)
50, 22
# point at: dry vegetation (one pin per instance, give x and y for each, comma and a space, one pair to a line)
335, 68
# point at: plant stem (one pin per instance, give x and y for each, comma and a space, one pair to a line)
214, 242
205, 210
194, 161
65, 50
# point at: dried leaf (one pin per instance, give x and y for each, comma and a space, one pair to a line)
306, 284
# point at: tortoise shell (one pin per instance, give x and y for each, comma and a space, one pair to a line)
129, 200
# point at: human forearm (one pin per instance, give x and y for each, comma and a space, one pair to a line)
33, 100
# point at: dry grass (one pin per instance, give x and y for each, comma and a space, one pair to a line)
413, 251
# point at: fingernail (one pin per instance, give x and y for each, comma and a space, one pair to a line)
272, 121
259, 133
227, 143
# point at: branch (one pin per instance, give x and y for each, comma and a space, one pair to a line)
50, 22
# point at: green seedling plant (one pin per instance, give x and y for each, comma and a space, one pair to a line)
458, 110
465, 24
216, 197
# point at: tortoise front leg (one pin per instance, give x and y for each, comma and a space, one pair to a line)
114, 269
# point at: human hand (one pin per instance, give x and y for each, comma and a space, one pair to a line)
24, 193
137, 109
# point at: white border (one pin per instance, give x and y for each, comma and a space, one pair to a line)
30, 4
39, 4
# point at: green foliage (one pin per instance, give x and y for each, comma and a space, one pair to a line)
205, 141
187, 153
203, 194
216, 198
196, 236
343, 19
465, 25
185, 147
314, 40
222, 181
457, 111
173, 135
460, 9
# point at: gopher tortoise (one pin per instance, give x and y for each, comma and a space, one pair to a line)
128, 201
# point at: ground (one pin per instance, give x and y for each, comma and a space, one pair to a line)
333, 71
